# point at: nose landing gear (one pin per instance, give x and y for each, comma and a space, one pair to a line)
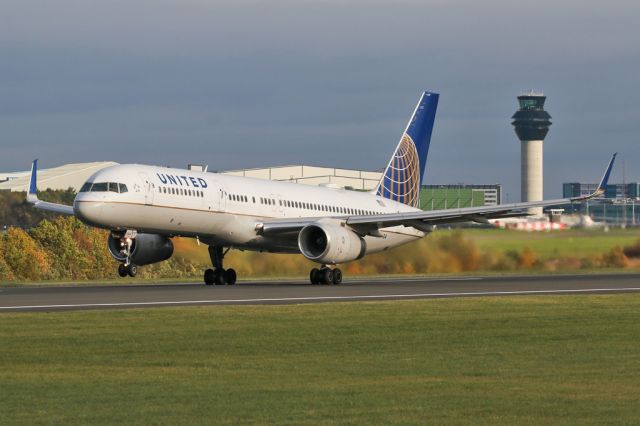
126, 243
325, 275
219, 275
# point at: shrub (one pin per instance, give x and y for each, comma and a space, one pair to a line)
24, 256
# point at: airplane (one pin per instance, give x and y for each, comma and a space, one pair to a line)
144, 206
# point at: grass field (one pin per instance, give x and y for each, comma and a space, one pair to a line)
525, 360
573, 242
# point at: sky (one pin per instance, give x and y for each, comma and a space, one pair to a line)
243, 84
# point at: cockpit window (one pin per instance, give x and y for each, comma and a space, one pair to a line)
104, 187
99, 187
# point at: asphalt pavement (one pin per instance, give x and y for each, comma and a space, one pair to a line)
54, 298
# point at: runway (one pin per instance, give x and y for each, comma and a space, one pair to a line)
19, 299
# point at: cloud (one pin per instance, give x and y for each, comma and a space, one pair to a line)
320, 82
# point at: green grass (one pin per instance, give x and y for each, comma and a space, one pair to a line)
573, 242
525, 360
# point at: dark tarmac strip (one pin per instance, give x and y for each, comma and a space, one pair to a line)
16, 299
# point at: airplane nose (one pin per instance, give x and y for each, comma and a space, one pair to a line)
89, 212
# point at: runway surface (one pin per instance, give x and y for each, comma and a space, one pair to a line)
153, 295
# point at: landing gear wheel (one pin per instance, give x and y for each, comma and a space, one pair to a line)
209, 277
122, 270
132, 270
219, 277
314, 276
230, 276
337, 276
327, 276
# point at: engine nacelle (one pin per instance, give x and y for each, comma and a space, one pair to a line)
330, 243
145, 248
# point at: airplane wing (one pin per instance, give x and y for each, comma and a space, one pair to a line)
425, 220
32, 195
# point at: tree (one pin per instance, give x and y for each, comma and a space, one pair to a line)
24, 256
6, 274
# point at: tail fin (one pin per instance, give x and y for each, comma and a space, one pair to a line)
402, 178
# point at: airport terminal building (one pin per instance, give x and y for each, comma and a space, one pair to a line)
617, 205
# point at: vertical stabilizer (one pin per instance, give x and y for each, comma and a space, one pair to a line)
403, 176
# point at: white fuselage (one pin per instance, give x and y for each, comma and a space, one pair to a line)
224, 210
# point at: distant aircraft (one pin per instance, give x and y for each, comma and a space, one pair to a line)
555, 221
144, 206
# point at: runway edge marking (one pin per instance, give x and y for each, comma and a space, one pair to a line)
321, 298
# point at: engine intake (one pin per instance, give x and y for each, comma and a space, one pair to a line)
145, 249
330, 243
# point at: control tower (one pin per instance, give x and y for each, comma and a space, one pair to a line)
531, 123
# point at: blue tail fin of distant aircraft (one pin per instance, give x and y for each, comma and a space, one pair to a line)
403, 176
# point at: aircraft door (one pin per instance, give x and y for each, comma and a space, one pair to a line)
217, 197
147, 188
278, 208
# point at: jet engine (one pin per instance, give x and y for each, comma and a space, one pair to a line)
145, 248
330, 243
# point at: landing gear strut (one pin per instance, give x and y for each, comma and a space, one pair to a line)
218, 275
325, 275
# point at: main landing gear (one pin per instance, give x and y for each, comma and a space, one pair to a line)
325, 275
218, 275
130, 270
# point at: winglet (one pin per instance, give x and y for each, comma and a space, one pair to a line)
602, 186
32, 194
